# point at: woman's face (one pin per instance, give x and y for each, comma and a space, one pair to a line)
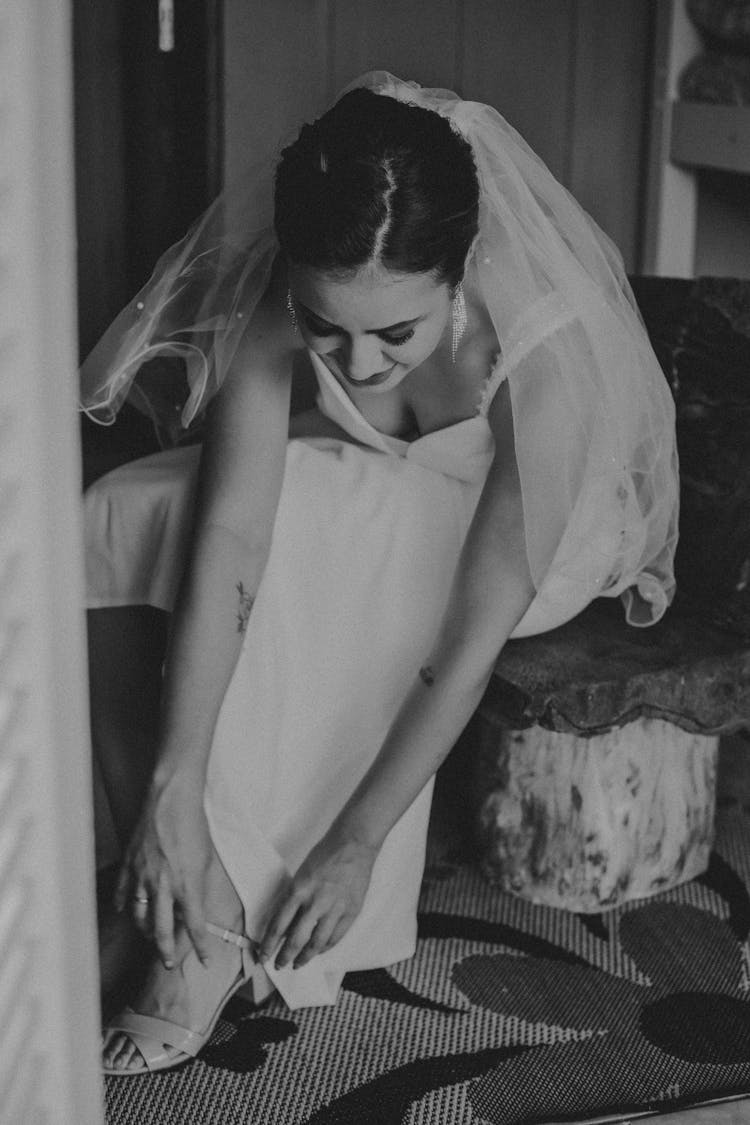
372, 329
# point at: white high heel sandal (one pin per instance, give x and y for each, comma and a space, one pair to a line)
151, 1035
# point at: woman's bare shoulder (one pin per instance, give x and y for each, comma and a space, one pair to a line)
257, 383
270, 334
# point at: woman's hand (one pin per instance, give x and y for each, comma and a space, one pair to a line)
321, 902
166, 864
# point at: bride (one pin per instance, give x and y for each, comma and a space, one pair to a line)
492, 447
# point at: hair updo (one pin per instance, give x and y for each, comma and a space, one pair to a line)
378, 180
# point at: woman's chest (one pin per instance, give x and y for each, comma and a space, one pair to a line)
426, 401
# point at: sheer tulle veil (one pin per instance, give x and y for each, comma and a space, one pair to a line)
593, 415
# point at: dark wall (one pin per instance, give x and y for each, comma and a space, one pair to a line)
147, 142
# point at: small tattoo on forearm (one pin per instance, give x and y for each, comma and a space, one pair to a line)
243, 609
427, 676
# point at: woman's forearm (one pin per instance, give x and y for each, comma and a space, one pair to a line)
492, 589
213, 611
444, 696
239, 483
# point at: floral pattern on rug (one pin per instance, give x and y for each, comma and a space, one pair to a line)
694, 1010
244, 1048
509, 1014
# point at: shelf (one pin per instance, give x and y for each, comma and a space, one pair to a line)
711, 136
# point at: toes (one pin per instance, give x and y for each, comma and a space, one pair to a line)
131, 1058
120, 1053
111, 1047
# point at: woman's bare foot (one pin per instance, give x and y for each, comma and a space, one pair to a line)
188, 994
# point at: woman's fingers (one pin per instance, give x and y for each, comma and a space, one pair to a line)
163, 922
305, 930
141, 906
341, 927
320, 939
122, 887
139, 901
193, 917
282, 919
297, 937
325, 897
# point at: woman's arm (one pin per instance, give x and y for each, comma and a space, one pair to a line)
491, 592
241, 471
239, 481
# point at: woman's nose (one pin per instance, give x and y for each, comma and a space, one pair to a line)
364, 358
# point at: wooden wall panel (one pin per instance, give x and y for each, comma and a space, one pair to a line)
570, 75
276, 66
518, 57
144, 144
412, 39
671, 196
610, 87
165, 99
100, 168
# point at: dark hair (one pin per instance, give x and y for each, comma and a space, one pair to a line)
378, 179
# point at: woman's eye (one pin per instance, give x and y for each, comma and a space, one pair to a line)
322, 330
398, 340
318, 329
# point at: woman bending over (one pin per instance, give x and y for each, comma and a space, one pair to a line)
492, 447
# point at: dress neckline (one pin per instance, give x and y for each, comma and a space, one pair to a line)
463, 449
327, 380
328, 383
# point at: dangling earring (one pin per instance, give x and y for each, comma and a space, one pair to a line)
291, 310
459, 318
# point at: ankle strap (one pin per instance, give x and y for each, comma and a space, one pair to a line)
228, 935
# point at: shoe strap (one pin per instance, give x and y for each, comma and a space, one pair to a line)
150, 1034
240, 940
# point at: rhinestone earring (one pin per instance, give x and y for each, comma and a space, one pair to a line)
459, 318
291, 310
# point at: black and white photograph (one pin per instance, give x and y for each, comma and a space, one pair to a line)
374, 562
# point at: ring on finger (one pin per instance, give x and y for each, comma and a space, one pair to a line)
141, 900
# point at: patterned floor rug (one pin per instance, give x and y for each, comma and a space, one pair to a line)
509, 1013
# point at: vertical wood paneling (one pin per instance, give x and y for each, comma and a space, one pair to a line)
215, 96
146, 144
517, 57
610, 86
412, 39
276, 67
165, 100
570, 75
100, 168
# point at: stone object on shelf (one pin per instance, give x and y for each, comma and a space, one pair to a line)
716, 78
722, 22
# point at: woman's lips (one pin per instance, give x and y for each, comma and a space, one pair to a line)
371, 381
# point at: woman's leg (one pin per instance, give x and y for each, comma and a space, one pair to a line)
187, 995
126, 652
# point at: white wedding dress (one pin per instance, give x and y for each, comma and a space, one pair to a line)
365, 544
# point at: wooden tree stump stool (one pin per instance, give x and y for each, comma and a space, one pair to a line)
586, 824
